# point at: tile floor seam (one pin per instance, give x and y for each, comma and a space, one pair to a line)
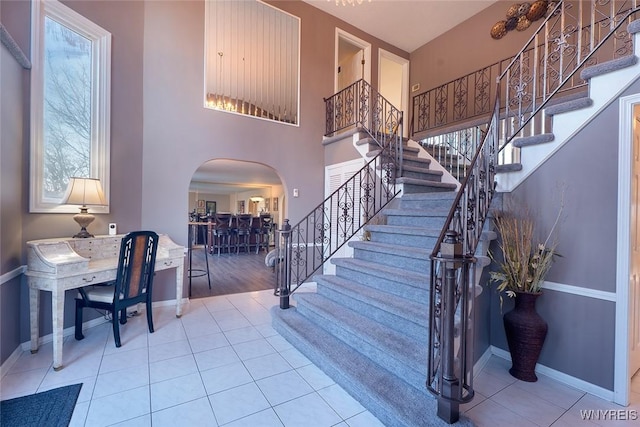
149, 385
497, 402
549, 401
249, 308
207, 397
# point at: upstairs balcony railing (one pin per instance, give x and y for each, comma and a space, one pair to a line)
549, 61
544, 66
307, 245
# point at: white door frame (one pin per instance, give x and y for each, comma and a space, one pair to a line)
405, 83
366, 46
621, 382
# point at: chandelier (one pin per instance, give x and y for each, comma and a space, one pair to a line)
347, 2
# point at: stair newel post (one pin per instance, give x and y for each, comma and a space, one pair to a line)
284, 255
448, 405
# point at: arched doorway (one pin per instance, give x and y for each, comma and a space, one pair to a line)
235, 187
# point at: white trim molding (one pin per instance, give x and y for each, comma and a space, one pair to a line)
577, 290
561, 377
100, 103
10, 275
621, 381
366, 46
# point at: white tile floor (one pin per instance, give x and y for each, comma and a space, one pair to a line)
223, 364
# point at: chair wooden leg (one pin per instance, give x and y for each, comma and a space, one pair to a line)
79, 308
116, 328
149, 317
123, 316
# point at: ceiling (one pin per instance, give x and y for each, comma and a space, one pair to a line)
232, 176
380, 18
404, 24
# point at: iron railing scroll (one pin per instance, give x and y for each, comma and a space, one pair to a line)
450, 358
306, 246
569, 39
573, 36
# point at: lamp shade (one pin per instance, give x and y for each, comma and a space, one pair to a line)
85, 191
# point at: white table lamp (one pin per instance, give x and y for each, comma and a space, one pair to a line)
84, 191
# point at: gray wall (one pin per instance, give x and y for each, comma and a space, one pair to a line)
11, 199
160, 132
581, 335
466, 48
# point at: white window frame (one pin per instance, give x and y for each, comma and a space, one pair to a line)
100, 95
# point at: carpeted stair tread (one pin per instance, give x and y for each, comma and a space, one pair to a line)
608, 67
396, 352
385, 248
422, 182
533, 140
439, 212
510, 167
366, 140
422, 170
564, 107
401, 229
398, 306
408, 151
390, 399
403, 235
369, 140
414, 279
634, 27
430, 196
416, 160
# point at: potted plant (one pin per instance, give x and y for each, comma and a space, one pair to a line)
523, 265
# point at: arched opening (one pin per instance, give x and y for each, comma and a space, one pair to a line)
227, 188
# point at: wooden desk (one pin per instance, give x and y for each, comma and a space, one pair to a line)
57, 265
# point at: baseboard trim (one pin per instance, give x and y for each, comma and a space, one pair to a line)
26, 346
482, 362
11, 360
561, 377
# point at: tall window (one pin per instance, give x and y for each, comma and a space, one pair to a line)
70, 104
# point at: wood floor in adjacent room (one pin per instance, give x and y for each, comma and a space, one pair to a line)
230, 273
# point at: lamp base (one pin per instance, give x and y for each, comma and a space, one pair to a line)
83, 219
83, 234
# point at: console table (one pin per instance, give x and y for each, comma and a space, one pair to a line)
57, 265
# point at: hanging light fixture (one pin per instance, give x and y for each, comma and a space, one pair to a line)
349, 2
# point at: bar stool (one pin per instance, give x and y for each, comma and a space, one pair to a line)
243, 232
195, 229
262, 238
222, 232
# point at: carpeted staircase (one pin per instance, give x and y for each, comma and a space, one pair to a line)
366, 326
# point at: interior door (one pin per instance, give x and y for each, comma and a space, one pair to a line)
350, 69
634, 276
353, 60
393, 82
